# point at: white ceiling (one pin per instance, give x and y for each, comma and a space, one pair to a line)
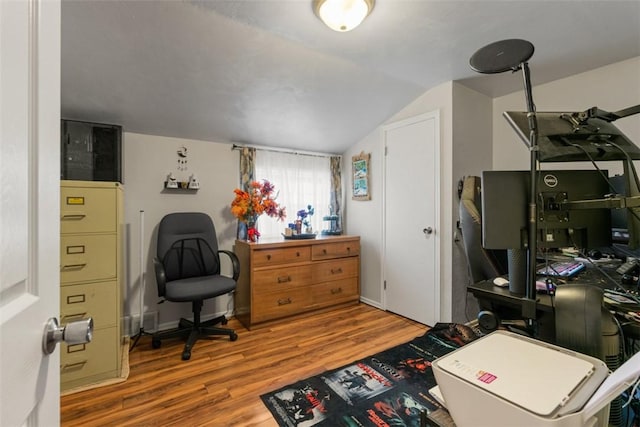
268, 72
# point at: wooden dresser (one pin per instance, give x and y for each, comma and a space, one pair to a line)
285, 277
91, 271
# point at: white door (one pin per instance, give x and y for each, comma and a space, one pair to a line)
411, 218
29, 193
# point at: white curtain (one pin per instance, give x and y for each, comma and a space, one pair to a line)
300, 180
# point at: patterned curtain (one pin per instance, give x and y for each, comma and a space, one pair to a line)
336, 187
247, 173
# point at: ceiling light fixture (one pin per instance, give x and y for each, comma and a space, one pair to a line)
342, 15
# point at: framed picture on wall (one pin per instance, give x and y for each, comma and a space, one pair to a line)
360, 176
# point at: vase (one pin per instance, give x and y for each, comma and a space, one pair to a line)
252, 230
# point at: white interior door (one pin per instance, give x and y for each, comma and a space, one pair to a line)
411, 219
29, 192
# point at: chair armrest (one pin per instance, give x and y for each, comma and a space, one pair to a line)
161, 277
234, 261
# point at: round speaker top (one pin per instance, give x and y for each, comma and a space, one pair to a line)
501, 56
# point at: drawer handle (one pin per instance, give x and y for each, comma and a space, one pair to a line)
324, 251
297, 254
335, 291
284, 279
284, 301
348, 249
77, 316
73, 365
74, 266
336, 270
268, 257
73, 216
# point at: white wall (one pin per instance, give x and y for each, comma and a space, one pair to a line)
148, 160
612, 88
364, 218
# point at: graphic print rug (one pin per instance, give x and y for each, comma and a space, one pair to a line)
390, 388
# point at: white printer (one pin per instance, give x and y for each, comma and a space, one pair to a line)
505, 379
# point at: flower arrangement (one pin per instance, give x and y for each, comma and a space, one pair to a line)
259, 199
303, 215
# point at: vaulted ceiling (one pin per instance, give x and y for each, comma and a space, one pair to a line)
268, 72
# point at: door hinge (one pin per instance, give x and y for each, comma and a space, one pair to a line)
385, 285
386, 148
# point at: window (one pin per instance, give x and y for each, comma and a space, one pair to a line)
300, 180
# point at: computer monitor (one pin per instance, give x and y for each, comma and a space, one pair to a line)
505, 201
573, 136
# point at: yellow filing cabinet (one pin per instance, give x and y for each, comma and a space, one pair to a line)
91, 273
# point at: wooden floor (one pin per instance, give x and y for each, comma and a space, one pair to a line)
221, 384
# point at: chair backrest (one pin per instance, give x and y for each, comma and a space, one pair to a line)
484, 263
187, 245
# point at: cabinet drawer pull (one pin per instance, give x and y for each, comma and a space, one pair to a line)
336, 270
74, 266
73, 216
284, 301
74, 365
324, 251
348, 249
284, 279
71, 317
335, 291
297, 254
268, 257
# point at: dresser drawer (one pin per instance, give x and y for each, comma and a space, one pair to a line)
96, 300
266, 257
336, 292
335, 250
83, 361
276, 278
87, 257
273, 305
87, 210
325, 271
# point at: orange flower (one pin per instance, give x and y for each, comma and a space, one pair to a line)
259, 199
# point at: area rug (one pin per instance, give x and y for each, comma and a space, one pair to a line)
390, 388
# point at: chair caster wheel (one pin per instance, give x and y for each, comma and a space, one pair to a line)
186, 355
156, 343
224, 321
233, 336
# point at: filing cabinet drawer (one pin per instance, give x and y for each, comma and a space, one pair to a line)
87, 257
335, 292
87, 210
335, 250
334, 270
266, 257
278, 278
96, 300
274, 305
93, 360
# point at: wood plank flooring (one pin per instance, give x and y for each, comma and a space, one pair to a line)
221, 384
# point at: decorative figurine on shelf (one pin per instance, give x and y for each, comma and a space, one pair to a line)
171, 182
194, 184
304, 218
247, 206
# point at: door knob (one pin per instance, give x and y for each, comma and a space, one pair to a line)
427, 230
78, 332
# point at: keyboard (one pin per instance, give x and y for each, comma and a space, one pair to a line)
562, 268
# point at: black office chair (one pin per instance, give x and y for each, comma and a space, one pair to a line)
484, 264
187, 269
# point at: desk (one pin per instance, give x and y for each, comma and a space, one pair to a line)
507, 306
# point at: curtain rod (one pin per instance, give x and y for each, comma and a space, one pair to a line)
284, 150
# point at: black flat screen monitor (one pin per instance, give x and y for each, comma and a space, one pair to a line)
505, 201
564, 138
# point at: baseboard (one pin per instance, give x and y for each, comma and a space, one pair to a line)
372, 303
